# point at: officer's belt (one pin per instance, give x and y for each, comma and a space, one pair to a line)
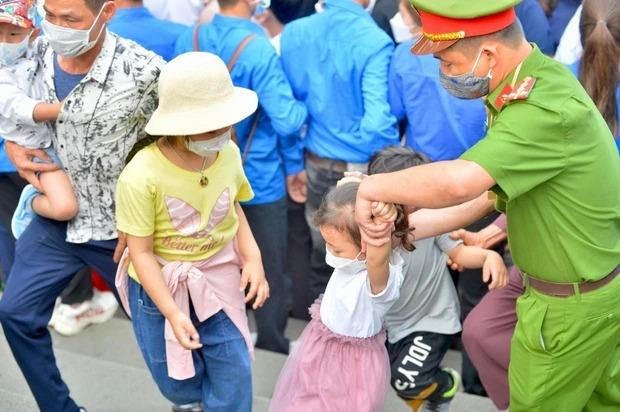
568, 289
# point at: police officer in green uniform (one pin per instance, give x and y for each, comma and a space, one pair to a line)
551, 164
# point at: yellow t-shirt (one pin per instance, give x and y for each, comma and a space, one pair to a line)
188, 222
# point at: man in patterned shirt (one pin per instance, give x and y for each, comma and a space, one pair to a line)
108, 87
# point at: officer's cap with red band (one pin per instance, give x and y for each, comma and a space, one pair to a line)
444, 22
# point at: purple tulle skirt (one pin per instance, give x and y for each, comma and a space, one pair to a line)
333, 373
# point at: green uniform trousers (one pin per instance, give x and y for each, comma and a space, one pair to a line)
565, 353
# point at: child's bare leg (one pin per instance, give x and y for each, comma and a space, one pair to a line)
57, 201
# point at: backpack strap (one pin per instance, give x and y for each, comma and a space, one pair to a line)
230, 66
196, 34
248, 143
237, 53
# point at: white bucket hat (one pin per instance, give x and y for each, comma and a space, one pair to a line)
196, 95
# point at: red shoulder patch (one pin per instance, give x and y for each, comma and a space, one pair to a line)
521, 91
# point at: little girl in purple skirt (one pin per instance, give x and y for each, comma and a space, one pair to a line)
341, 363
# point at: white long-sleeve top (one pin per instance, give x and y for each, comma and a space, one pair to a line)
21, 89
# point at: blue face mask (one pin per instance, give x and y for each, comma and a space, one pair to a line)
468, 85
10, 53
262, 6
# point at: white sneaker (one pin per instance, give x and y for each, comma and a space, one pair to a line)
52, 320
293, 345
72, 319
253, 337
107, 301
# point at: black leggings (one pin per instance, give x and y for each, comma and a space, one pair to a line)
415, 366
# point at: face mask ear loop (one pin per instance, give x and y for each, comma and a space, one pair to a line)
473, 69
358, 256
95, 23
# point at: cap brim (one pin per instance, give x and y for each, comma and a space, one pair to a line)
241, 104
424, 45
7, 18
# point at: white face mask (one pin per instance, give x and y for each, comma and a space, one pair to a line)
10, 53
348, 266
400, 30
71, 42
207, 147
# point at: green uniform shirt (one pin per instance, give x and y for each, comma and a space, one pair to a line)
557, 173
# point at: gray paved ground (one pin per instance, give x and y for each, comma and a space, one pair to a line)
106, 373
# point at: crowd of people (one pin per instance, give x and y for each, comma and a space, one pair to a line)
380, 162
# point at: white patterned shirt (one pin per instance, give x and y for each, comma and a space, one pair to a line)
99, 123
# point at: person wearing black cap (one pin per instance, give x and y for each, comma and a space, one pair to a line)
280, 13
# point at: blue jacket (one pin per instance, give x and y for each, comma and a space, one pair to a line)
139, 25
337, 62
438, 124
563, 12
276, 150
535, 25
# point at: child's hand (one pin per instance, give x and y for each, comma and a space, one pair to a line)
184, 330
254, 274
455, 266
468, 238
384, 212
351, 177
494, 269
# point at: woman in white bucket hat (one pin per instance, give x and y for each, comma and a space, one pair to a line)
191, 253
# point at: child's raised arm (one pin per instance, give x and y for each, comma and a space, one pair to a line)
492, 264
378, 263
378, 257
152, 280
252, 270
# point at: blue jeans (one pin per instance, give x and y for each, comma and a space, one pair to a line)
44, 265
223, 380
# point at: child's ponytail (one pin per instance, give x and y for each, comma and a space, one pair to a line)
403, 232
393, 159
